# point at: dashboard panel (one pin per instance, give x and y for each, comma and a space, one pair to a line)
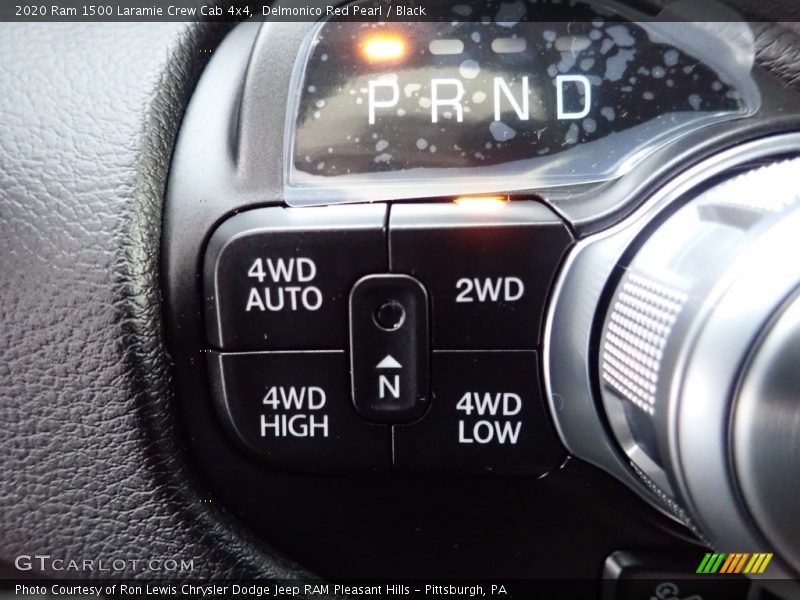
341, 111
500, 294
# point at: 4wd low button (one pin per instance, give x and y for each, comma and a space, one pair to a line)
486, 416
279, 278
488, 269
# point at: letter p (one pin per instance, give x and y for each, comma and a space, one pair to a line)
373, 100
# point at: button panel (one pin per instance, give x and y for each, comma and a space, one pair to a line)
347, 346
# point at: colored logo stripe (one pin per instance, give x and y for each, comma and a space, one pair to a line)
711, 563
729, 562
758, 563
720, 562
734, 563
740, 564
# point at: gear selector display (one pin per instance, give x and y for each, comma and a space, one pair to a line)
501, 101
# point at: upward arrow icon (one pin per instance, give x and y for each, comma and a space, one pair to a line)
389, 362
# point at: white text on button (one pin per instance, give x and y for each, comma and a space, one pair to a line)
505, 289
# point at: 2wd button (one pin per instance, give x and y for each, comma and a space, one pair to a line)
293, 409
278, 278
486, 416
487, 269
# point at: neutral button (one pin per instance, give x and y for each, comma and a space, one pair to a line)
389, 348
278, 278
488, 272
486, 416
293, 409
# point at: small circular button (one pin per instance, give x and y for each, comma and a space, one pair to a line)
390, 315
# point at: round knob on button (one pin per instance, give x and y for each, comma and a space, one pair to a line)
692, 361
390, 315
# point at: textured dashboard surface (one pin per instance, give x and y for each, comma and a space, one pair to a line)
91, 468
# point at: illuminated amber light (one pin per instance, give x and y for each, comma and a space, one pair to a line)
481, 202
384, 47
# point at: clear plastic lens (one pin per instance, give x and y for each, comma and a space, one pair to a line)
409, 110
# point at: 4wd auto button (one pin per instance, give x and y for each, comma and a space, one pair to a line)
487, 270
279, 278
